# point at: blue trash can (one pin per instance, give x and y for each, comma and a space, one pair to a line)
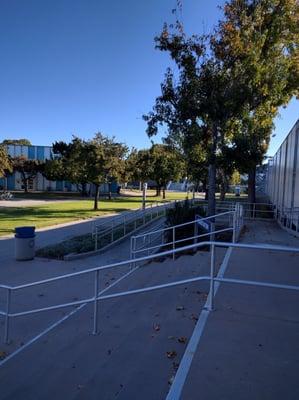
24, 243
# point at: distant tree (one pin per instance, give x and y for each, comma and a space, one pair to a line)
22, 142
28, 169
96, 161
5, 162
166, 164
235, 178
114, 158
139, 166
105, 162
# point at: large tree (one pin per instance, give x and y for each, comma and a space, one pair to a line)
257, 40
197, 105
247, 68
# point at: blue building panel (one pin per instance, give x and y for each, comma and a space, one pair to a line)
10, 182
31, 152
40, 153
59, 186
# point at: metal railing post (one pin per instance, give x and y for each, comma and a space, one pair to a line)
95, 304
173, 242
253, 210
124, 225
6, 329
234, 225
211, 294
96, 239
112, 231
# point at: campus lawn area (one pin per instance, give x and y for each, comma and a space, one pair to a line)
61, 212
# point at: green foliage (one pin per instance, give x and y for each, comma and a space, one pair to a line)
138, 165
5, 162
229, 86
236, 178
27, 168
161, 163
96, 161
166, 164
181, 214
22, 142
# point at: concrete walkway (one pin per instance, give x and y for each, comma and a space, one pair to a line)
250, 347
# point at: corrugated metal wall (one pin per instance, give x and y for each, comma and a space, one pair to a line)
283, 174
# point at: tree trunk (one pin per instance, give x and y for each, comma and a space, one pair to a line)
164, 193
212, 190
205, 189
96, 196
251, 185
84, 191
158, 191
212, 175
222, 191
109, 191
25, 183
223, 187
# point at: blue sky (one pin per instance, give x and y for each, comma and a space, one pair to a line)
82, 66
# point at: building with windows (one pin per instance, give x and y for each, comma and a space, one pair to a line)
39, 183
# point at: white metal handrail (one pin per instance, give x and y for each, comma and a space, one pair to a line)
147, 239
121, 222
98, 296
125, 220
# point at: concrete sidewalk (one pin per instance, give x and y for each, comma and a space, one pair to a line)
250, 345
249, 348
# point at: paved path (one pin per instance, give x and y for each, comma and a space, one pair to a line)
50, 235
250, 347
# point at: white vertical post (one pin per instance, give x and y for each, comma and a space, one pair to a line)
112, 231
6, 329
96, 239
173, 242
211, 294
95, 304
235, 225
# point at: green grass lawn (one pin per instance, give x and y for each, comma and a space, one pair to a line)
58, 213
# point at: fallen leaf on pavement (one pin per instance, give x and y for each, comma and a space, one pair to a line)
171, 354
156, 327
182, 339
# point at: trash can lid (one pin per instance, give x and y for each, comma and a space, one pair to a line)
25, 230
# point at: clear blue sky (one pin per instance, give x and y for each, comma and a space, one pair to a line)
82, 66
